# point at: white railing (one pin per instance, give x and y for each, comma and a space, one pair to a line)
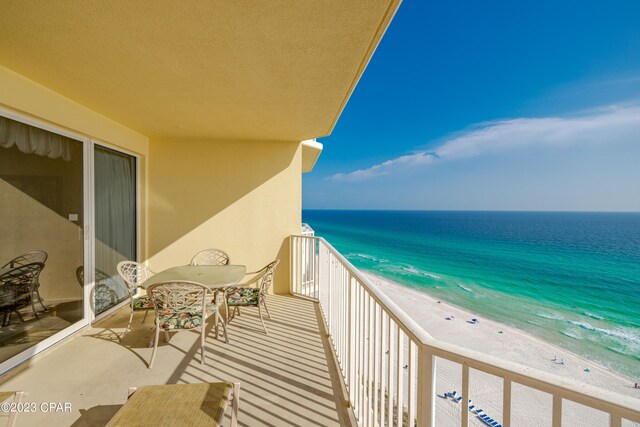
388, 362
307, 230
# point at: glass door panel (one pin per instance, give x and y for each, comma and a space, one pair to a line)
115, 223
41, 235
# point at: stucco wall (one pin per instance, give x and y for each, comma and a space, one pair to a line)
42, 227
240, 196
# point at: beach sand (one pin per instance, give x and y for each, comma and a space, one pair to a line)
529, 407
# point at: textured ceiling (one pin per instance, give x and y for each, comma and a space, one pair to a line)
270, 70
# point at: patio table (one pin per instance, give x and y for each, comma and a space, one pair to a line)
212, 276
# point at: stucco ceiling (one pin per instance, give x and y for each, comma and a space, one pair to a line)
269, 70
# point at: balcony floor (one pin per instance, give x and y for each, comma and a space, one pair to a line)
287, 377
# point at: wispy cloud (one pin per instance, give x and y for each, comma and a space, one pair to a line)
605, 125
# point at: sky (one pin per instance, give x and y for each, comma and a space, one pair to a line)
492, 105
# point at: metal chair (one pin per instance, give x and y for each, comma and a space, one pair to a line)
16, 290
28, 258
104, 295
182, 305
210, 257
242, 295
134, 274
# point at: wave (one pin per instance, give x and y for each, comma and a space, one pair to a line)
367, 257
584, 325
408, 268
593, 316
626, 337
550, 316
411, 269
617, 350
571, 334
464, 288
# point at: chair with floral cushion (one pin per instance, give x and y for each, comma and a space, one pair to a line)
134, 274
246, 295
182, 305
210, 257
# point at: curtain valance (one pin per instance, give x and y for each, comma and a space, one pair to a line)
32, 140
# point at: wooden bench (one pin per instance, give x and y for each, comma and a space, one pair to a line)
178, 405
11, 397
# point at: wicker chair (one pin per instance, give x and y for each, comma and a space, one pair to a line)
16, 290
210, 257
244, 295
134, 274
28, 258
182, 305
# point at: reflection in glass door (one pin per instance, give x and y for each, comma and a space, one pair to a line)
115, 223
41, 235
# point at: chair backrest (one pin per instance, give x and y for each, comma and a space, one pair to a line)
28, 258
179, 296
80, 275
23, 276
133, 273
101, 277
267, 278
210, 257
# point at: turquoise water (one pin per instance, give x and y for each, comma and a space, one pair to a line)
572, 279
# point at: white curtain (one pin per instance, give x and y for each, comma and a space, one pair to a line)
32, 140
115, 194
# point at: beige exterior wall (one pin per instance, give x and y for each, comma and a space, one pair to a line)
44, 228
30, 100
26, 97
240, 196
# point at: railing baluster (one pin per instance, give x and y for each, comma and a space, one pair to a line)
400, 375
356, 373
350, 342
390, 365
383, 365
426, 388
376, 362
363, 340
556, 420
506, 402
615, 421
464, 417
412, 383
367, 361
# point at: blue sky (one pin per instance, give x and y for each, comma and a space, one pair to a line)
492, 105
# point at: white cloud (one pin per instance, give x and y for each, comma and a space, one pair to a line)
612, 124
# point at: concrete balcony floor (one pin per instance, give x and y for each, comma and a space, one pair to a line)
287, 377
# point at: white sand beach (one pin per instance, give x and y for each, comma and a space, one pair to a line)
499, 340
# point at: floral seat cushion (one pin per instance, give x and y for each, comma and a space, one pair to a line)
183, 320
143, 302
244, 296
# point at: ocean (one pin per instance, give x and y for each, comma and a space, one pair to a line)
571, 279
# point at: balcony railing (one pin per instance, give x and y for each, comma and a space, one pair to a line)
388, 362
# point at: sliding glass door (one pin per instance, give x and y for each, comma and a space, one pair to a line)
42, 244
115, 223
68, 215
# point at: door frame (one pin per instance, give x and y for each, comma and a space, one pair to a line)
88, 233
